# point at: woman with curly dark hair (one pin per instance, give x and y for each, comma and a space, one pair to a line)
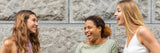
97, 32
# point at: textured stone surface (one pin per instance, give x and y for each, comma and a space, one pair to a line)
156, 11
143, 6
118, 34
61, 40
45, 9
104, 8
85, 8
53, 39
64, 37
5, 32
55, 10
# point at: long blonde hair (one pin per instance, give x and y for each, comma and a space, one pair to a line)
131, 14
22, 35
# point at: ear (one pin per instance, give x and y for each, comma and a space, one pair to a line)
99, 28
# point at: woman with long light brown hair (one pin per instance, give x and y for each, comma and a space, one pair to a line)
24, 38
139, 38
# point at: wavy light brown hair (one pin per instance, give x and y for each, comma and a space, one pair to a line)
132, 15
98, 21
22, 35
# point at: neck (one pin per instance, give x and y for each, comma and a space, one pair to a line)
96, 42
133, 31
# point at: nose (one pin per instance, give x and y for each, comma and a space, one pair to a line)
85, 31
115, 14
36, 23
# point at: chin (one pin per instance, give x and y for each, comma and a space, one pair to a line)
92, 40
89, 40
33, 32
119, 24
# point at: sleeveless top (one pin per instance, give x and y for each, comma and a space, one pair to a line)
135, 46
29, 48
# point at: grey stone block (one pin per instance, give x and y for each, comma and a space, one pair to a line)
5, 32
64, 38
61, 39
46, 10
156, 11
105, 8
119, 35
53, 39
145, 6
84, 8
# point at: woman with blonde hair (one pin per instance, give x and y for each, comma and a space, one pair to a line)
139, 38
97, 32
24, 38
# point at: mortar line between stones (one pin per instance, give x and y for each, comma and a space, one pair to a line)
151, 12
68, 10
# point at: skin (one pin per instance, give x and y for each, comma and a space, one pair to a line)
119, 17
93, 33
144, 35
9, 45
32, 23
147, 39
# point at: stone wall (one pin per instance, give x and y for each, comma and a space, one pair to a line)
61, 22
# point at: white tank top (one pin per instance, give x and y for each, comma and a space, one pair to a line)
135, 46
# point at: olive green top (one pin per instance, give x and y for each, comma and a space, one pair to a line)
108, 47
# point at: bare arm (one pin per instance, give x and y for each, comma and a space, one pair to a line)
6, 46
148, 40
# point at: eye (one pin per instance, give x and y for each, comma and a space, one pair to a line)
84, 28
35, 20
89, 27
118, 10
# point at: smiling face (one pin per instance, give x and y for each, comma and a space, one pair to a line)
32, 23
91, 31
119, 16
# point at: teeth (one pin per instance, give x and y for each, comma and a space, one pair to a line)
117, 18
88, 35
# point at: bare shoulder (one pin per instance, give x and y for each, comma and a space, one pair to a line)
146, 35
148, 40
143, 28
8, 42
144, 31
7, 46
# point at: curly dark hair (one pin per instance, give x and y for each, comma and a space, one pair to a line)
98, 21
